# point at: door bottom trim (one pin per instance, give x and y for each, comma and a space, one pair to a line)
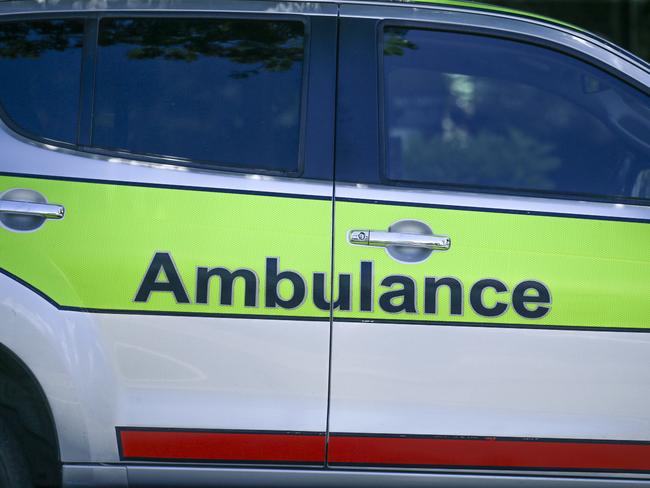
221, 446
142, 475
491, 453
391, 451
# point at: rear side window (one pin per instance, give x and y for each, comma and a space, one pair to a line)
40, 67
221, 92
483, 112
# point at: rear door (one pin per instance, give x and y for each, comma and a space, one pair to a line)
492, 248
195, 169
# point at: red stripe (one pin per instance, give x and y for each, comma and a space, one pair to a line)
220, 446
404, 451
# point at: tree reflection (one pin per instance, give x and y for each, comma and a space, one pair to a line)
262, 45
510, 159
395, 42
257, 45
32, 39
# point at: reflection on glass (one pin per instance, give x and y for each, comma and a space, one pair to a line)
218, 91
486, 112
40, 67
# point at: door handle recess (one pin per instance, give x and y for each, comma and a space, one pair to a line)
376, 238
33, 209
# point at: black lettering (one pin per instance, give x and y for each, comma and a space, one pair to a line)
273, 279
431, 286
162, 261
476, 298
406, 293
227, 278
367, 285
520, 299
344, 301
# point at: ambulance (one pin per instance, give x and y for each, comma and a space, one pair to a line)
319, 243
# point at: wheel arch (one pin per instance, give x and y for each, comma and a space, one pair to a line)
33, 410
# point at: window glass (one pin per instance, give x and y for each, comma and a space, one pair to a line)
217, 91
40, 70
485, 112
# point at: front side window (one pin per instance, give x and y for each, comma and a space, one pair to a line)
40, 69
481, 112
220, 92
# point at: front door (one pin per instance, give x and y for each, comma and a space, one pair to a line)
491, 253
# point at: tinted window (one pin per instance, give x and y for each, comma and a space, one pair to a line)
224, 92
40, 68
486, 112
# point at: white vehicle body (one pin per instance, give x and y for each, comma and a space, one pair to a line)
326, 383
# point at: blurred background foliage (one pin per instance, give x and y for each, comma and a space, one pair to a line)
625, 22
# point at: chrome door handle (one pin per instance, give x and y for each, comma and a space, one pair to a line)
376, 238
43, 210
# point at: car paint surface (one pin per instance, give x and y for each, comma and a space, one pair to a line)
355, 396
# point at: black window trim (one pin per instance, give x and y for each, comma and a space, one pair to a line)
496, 34
85, 108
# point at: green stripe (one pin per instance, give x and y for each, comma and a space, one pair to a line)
494, 8
597, 271
96, 257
